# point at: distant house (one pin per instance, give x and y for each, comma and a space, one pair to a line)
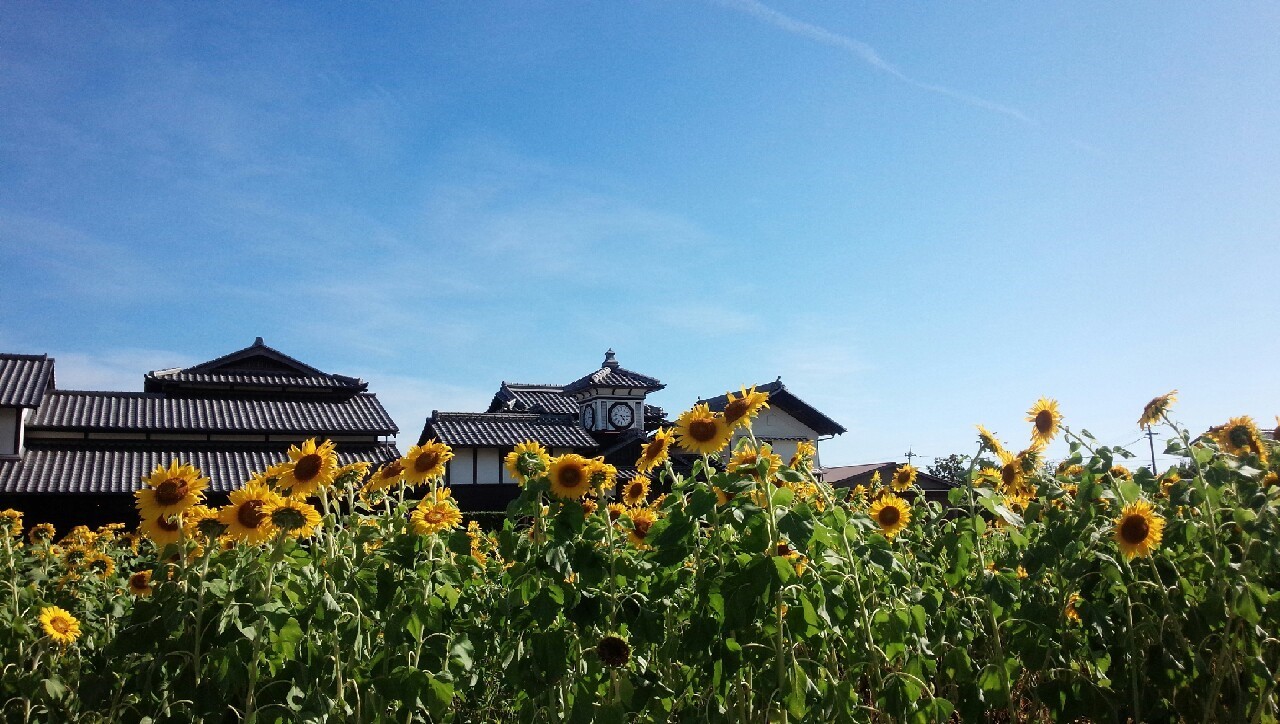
849, 476
787, 421
603, 413
77, 456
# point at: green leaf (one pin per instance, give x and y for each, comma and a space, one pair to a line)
55, 688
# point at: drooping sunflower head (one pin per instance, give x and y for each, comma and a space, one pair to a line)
140, 584
434, 514
891, 513
1139, 529
1120, 472
738, 411
642, 519
570, 476
1045, 420
1240, 436
41, 533
1167, 481
295, 517
527, 461
170, 490
1011, 474
989, 441
702, 431
603, 475
201, 523
310, 467
248, 515
904, 477
426, 461
351, 474
11, 520
656, 451
59, 625
635, 492
100, 565
746, 460
385, 477
163, 530
1157, 408
613, 651
803, 456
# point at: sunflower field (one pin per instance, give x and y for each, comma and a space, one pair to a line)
748, 591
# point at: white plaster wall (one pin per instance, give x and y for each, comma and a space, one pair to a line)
773, 424
10, 420
460, 466
489, 462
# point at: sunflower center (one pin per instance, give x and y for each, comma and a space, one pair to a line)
251, 513
1239, 436
889, 516
426, 461
702, 430
60, 624
171, 491
641, 527
392, 470
433, 516
783, 549
613, 651
1134, 529
1044, 422
652, 450
735, 410
635, 490
571, 476
164, 523
1009, 473
903, 477
138, 581
288, 518
307, 467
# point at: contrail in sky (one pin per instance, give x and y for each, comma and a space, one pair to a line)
865, 53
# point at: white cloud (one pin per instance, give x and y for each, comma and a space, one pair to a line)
116, 370
410, 400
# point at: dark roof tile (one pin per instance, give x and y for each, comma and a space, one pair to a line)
24, 379
496, 429
785, 400
611, 374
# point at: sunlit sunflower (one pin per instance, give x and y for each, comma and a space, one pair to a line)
527, 461
1011, 475
803, 456
891, 513
1157, 408
170, 490
1240, 436
989, 477
1070, 609
1271, 479
248, 516
425, 462
41, 533
435, 513
385, 477
59, 625
1045, 418
570, 476
589, 506
351, 474
310, 468
784, 550
1017, 502
656, 451
163, 530
616, 511
1138, 529
1120, 472
100, 565
202, 524
295, 517
642, 519
12, 519
1167, 481
140, 584
635, 492
722, 498
746, 461
904, 477
738, 411
603, 475
700, 430
989, 441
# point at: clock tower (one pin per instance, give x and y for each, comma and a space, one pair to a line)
611, 399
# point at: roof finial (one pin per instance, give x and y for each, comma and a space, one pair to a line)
257, 342
609, 360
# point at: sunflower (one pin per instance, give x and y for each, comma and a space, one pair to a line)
1070, 611
295, 517
1120, 472
1011, 473
1167, 481
1138, 529
784, 550
1017, 502
310, 468
904, 477
140, 584
722, 498
163, 530
616, 511
1240, 436
603, 475
527, 461
59, 625
738, 411
100, 565
41, 533
1271, 479
435, 513
891, 513
248, 515
589, 506
642, 519
700, 430
170, 490
12, 518
426, 461
635, 492
746, 461
352, 473
1157, 408
989, 441
655, 451
571, 476
201, 523
613, 651
988, 476
804, 454
1047, 419
387, 476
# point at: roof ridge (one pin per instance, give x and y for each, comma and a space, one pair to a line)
106, 393
26, 357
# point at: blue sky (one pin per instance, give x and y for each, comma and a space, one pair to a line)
921, 216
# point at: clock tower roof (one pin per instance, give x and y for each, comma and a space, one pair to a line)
612, 374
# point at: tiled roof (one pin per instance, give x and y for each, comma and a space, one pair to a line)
252, 379
255, 366
783, 399
516, 397
24, 378
121, 471
139, 411
611, 374
505, 429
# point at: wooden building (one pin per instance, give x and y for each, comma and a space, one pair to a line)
78, 456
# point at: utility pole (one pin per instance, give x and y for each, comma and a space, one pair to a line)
1151, 442
910, 455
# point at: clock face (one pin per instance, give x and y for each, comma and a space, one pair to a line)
589, 417
620, 415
